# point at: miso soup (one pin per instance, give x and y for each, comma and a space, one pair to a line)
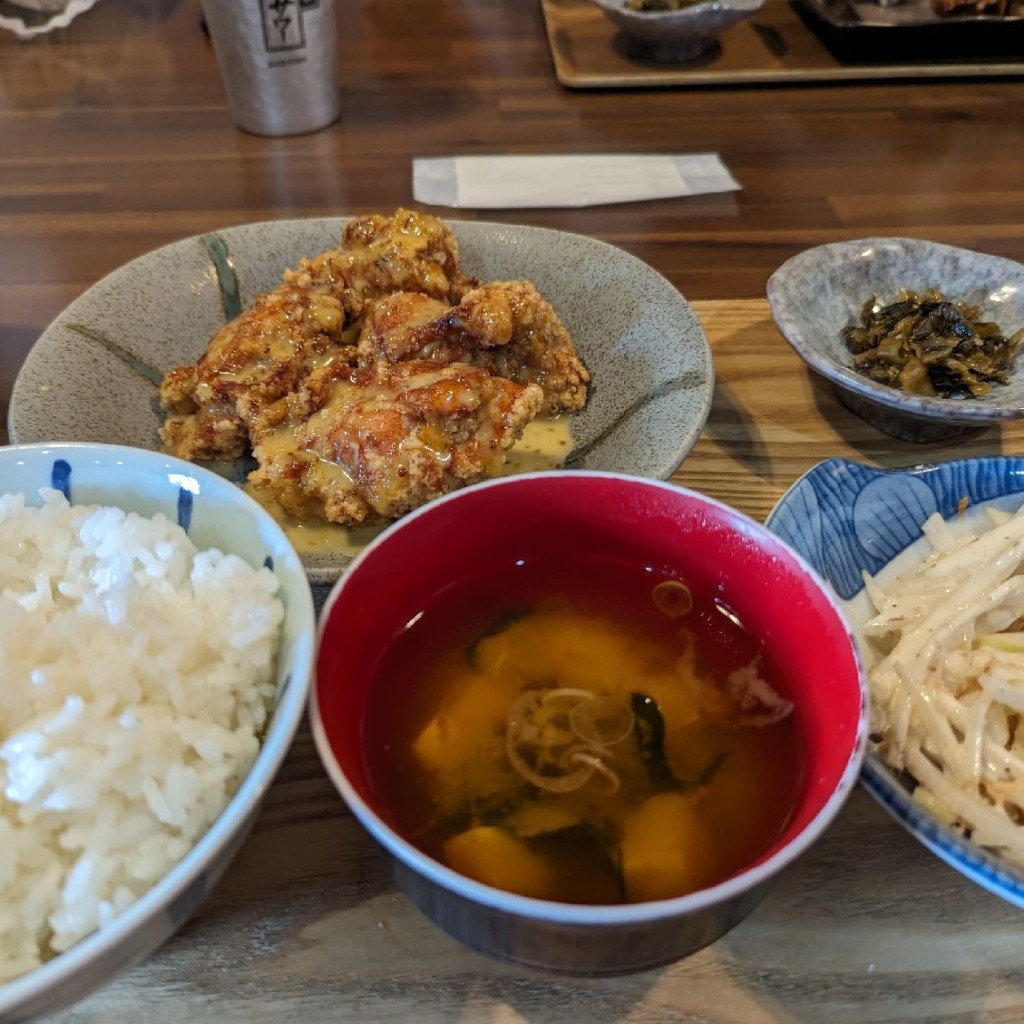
582, 730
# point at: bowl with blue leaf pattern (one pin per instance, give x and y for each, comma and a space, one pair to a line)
215, 514
847, 519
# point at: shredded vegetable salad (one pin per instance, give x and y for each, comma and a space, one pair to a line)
947, 685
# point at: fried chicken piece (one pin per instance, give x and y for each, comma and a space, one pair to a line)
360, 444
505, 327
267, 350
408, 325
378, 255
254, 360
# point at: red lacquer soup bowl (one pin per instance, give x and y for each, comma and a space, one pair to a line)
482, 531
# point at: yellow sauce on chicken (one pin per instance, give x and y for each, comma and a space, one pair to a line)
282, 440
545, 443
318, 537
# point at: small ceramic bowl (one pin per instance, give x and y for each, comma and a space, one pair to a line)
820, 291
215, 514
845, 518
680, 35
645, 523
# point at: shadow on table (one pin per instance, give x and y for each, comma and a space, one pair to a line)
734, 428
874, 445
866, 926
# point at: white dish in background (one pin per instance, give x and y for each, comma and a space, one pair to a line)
93, 374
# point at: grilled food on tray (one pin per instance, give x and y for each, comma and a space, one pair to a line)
1000, 8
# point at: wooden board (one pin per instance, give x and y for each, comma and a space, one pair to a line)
307, 925
773, 418
776, 45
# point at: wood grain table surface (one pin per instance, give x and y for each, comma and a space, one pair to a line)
115, 138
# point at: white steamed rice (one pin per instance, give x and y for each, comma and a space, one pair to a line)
136, 675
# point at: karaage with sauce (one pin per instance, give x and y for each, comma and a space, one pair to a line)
505, 327
360, 444
267, 350
256, 359
378, 255
375, 377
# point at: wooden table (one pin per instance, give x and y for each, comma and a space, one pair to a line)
114, 138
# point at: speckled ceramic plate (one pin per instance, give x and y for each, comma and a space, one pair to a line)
820, 291
845, 518
93, 374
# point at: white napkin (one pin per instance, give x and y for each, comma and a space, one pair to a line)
489, 182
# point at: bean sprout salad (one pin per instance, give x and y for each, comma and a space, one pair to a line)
947, 683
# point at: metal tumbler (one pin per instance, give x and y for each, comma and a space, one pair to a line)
278, 61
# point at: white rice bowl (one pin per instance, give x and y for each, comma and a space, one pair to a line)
137, 675
150, 685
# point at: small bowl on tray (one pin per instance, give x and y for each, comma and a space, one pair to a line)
818, 292
678, 35
214, 514
610, 520
846, 518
